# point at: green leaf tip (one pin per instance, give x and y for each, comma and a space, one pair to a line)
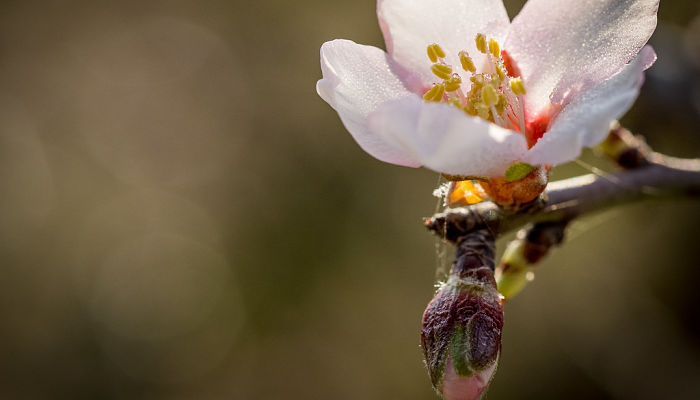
460, 349
518, 171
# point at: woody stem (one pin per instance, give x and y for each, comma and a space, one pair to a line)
657, 177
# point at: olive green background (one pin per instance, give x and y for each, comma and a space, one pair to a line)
182, 217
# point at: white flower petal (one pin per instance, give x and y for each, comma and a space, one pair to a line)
565, 47
585, 122
409, 26
447, 140
356, 79
455, 387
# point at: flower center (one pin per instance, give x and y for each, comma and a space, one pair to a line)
495, 95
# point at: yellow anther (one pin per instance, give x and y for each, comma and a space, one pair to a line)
435, 93
435, 52
517, 86
484, 112
494, 48
481, 42
502, 103
442, 71
455, 102
453, 83
489, 96
477, 80
470, 109
467, 62
501, 73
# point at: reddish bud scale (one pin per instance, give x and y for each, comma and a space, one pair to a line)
462, 324
624, 148
513, 194
541, 237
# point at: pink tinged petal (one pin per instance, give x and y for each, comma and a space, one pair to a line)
565, 47
356, 80
455, 387
585, 122
445, 139
409, 26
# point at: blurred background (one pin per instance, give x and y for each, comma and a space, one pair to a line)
182, 217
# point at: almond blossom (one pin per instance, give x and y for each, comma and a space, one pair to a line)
464, 91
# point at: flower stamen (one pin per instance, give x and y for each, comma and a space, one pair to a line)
435, 93
489, 96
435, 52
494, 48
517, 86
453, 83
481, 42
442, 71
467, 62
494, 95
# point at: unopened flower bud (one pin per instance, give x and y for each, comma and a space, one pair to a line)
461, 335
522, 254
624, 148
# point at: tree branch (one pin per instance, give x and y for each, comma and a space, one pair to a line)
660, 177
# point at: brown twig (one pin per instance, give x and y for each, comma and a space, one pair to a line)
663, 177
470, 292
645, 175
